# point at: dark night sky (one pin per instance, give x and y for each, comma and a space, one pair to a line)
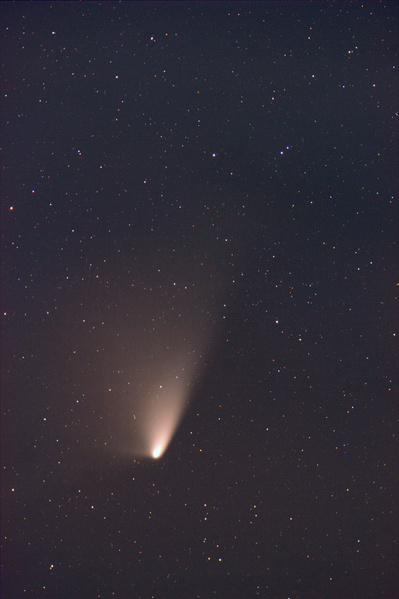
199, 210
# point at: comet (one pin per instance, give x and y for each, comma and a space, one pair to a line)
155, 412
162, 369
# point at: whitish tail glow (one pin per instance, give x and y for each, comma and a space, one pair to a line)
162, 415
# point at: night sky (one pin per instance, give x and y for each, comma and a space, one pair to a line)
199, 223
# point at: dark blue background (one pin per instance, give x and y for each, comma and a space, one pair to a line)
150, 202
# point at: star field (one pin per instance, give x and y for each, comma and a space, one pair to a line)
199, 224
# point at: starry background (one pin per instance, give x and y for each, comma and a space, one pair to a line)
206, 188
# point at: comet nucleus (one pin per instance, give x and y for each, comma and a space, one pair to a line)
158, 451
